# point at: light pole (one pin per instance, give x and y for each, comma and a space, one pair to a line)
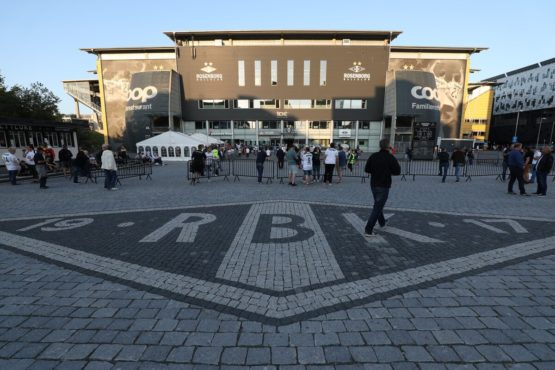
516, 125
551, 135
539, 130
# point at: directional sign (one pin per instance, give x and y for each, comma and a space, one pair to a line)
277, 262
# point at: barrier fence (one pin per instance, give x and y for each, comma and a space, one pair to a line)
414, 168
212, 168
125, 171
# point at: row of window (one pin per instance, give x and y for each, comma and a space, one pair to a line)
21, 139
276, 125
287, 104
274, 72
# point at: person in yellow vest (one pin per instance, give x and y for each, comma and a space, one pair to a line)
216, 160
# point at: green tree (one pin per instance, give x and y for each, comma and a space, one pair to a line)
36, 101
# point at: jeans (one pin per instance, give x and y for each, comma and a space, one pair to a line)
542, 182
504, 173
534, 173
458, 170
260, 170
516, 174
12, 174
443, 168
280, 163
316, 172
110, 179
328, 175
380, 197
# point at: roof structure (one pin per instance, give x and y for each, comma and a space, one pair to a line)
438, 49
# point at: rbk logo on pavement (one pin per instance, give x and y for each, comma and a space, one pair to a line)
278, 262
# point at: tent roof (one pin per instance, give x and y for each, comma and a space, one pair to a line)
205, 139
170, 138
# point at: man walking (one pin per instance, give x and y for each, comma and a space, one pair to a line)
12, 164
443, 157
381, 166
516, 169
330, 160
261, 157
458, 157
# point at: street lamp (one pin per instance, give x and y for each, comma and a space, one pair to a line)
551, 135
539, 131
517, 118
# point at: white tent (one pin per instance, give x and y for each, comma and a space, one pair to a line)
170, 146
206, 140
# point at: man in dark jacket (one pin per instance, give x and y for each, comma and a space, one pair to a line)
459, 158
516, 168
443, 157
280, 157
543, 167
381, 166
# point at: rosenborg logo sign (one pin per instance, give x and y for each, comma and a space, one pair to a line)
208, 73
276, 262
356, 73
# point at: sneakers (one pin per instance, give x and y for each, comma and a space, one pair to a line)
542, 195
370, 234
114, 189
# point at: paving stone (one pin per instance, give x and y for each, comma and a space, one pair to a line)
311, 355
363, 354
416, 354
283, 355
388, 354
181, 355
443, 354
234, 356
258, 356
468, 354
207, 355
79, 351
493, 353
131, 353
250, 339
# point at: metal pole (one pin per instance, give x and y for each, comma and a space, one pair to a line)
516, 126
551, 135
539, 131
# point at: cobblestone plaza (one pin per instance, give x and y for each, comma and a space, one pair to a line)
162, 274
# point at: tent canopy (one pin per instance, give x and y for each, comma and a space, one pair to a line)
171, 146
206, 140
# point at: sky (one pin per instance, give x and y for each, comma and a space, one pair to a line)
40, 39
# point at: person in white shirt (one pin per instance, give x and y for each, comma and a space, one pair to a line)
12, 164
110, 167
30, 161
537, 156
330, 160
306, 161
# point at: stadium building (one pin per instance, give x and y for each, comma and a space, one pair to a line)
524, 105
275, 87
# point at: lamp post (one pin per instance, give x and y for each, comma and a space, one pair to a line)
551, 135
539, 131
516, 125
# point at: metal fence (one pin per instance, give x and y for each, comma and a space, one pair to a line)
212, 169
125, 171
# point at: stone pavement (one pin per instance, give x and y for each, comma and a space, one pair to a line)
151, 276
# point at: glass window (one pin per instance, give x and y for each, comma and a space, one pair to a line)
39, 139
270, 124
306, 73
322, 104
155, 150
343, 124
274, 72
170, 151
257, 73
241, 104
364, 125
265, 104
213, 104
199, 125
141, 149
178, 151
323, 72
350, 104
164, 151
147, 149
242, 125
241, 72
290, 72
3, 141
297, 104
69, 139
186, 152
219, 125
319, 125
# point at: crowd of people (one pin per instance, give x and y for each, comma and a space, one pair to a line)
526, 166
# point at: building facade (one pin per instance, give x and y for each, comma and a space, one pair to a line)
524, 105
276, 87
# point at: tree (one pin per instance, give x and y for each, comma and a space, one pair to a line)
36, 102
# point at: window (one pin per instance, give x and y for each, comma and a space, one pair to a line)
219, 125
270, 125
178, 151
323, 72
257, 73
244, 125
39, 139
242, 104
141, 150
186, 152
164, 151
213, 104
200, 125
68, 139
350, 104
306, 73
297, 104
343, 124
170, 151
274, 72
241, 72
154, 150
321, 104
290, 72
319, 125
265, 104
364, 125
3, 141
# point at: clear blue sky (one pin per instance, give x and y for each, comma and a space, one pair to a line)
40, 40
